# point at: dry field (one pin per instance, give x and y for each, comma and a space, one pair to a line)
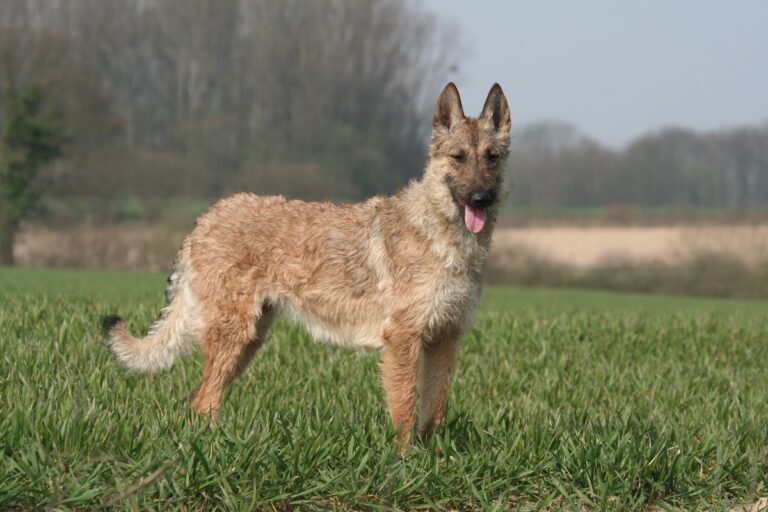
118, 247
585, 247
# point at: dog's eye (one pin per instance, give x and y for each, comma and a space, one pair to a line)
459, 157
492, 157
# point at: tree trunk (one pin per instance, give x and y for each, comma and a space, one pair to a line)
7, 236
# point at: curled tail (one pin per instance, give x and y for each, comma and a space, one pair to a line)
175, 333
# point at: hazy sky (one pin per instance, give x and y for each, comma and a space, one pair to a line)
616, 68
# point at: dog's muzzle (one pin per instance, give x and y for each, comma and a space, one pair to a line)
482, 199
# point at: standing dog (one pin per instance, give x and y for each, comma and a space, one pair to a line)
399, 273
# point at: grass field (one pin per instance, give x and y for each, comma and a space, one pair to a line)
561, 400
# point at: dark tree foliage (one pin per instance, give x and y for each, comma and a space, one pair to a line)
31, 137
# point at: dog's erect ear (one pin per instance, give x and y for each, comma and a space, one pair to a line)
496, 109
448, 110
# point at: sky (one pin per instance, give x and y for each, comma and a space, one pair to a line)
615, 69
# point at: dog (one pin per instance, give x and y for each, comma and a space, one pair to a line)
400, 273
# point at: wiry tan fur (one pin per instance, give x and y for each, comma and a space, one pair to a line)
400, 274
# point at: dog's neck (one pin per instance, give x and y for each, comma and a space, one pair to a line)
431, 209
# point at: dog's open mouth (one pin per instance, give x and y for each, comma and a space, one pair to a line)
474, 218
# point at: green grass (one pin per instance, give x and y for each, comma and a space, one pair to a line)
561, 399
548, 300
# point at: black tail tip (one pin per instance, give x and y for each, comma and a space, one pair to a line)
108, 322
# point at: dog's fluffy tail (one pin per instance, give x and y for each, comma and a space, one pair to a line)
175, 333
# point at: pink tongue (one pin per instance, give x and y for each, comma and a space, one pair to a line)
474, 218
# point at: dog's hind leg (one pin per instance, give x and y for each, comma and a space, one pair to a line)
263, 324
230, 343
437, 364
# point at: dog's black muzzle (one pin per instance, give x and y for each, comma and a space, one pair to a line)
482, 199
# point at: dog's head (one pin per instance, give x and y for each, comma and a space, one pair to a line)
471, 152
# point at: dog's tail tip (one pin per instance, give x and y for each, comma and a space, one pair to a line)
108, 322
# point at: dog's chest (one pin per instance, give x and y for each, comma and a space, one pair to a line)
454, 298
457, 289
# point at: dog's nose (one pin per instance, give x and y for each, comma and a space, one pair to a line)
481, 199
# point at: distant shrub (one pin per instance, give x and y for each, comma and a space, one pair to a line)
130, 210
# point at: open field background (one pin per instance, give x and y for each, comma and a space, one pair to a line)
562, 399
720, 260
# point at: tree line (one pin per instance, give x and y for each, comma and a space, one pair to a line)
553, 165
199, 97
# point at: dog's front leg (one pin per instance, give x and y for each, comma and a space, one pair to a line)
398, 373
437, 365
